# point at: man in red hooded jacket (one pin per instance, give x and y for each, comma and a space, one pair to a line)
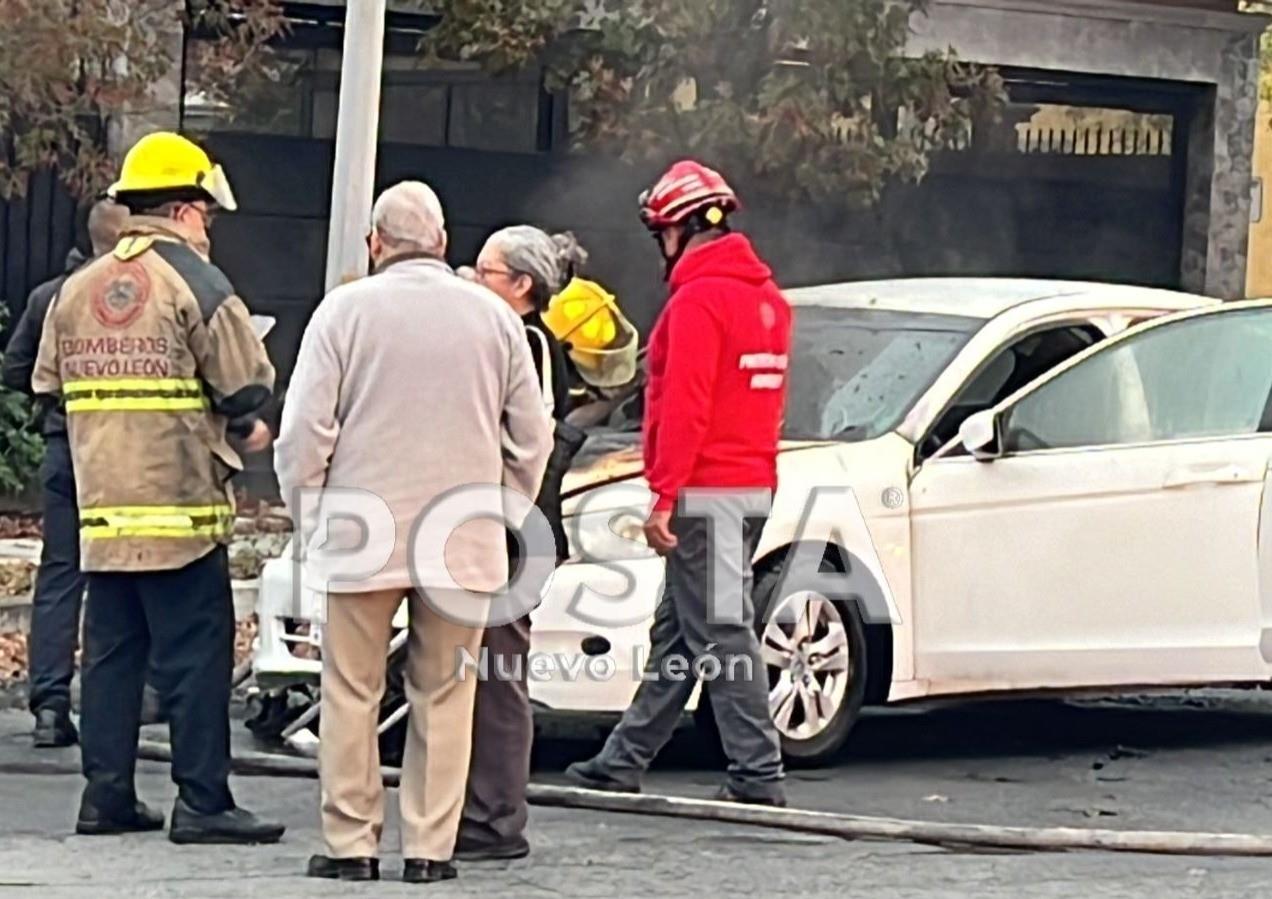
716, 390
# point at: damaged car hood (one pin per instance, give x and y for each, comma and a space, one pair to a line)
612, 457
606, 458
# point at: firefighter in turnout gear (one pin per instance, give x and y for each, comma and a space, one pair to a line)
155, 361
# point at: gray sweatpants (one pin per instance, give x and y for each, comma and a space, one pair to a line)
683, 628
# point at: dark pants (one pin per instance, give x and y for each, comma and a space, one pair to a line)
59, 586
183, 621
503, 730
683, 629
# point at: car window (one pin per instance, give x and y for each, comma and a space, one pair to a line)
1011, 368
1207, 376
855, 373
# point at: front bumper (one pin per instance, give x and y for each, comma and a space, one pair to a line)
588, 645
288, 646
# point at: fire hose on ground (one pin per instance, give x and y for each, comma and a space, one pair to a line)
850, 827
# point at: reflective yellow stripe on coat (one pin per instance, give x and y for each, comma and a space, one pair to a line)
134, 395
157, 521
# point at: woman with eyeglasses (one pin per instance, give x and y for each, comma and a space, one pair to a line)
525, 267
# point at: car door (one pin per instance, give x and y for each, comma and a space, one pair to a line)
1115, 539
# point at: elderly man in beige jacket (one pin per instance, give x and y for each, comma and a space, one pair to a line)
409, 384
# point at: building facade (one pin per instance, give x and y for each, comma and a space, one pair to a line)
1125, 156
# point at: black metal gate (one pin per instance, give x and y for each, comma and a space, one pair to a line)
36, 233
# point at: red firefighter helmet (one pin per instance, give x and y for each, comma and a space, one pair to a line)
686, 189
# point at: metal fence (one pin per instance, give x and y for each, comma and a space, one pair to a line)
1095, 141
37, 230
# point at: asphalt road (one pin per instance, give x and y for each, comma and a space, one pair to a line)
1198, 762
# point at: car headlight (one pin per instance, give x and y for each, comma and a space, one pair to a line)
614, 535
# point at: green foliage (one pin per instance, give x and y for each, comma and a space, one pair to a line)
67, 66
813, 99
21, 447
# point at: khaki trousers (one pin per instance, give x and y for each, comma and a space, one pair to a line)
439, 727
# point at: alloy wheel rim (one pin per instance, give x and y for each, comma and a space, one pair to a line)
806, 651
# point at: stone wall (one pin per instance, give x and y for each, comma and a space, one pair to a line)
1142, 40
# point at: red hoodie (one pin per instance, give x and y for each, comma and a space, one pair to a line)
717, 374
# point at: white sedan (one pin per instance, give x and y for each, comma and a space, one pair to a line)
1025, 488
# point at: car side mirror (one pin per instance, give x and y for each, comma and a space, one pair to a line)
980, 435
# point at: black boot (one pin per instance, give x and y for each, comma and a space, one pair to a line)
54, 729
139, 819
421, 870
772, 795
468, 849
235, 827
592, 775
343, 868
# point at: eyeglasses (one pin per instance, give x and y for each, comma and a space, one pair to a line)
484, 271
205, 213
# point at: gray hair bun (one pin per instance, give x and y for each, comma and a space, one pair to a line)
570, 255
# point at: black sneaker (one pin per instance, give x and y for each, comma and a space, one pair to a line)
592, 775
141, 818
470, 850
234, 827
54, 729
343, 868
760, 795
421, 870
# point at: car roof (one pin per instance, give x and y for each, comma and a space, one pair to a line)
984, 298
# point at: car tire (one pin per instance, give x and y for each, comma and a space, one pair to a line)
805, 742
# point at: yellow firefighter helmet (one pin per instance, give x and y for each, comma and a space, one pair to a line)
164, 162
602, 342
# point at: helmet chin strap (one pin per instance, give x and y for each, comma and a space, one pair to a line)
693, 226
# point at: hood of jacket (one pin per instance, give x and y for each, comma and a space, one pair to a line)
74, 260
166, 229
731, 256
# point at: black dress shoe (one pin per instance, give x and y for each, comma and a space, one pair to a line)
592, 776
233, 827
343, 868
139, 819
773, 796
421, 870
54, 729
470, 850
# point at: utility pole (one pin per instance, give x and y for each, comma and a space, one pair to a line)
357, 127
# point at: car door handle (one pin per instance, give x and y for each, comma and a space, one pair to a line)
1204, 475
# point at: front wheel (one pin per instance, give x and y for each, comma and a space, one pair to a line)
814, 653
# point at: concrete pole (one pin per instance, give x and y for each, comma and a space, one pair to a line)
357, 126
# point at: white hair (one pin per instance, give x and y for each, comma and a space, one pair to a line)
408, 217
548, 261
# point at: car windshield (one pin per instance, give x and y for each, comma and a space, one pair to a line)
855, 373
